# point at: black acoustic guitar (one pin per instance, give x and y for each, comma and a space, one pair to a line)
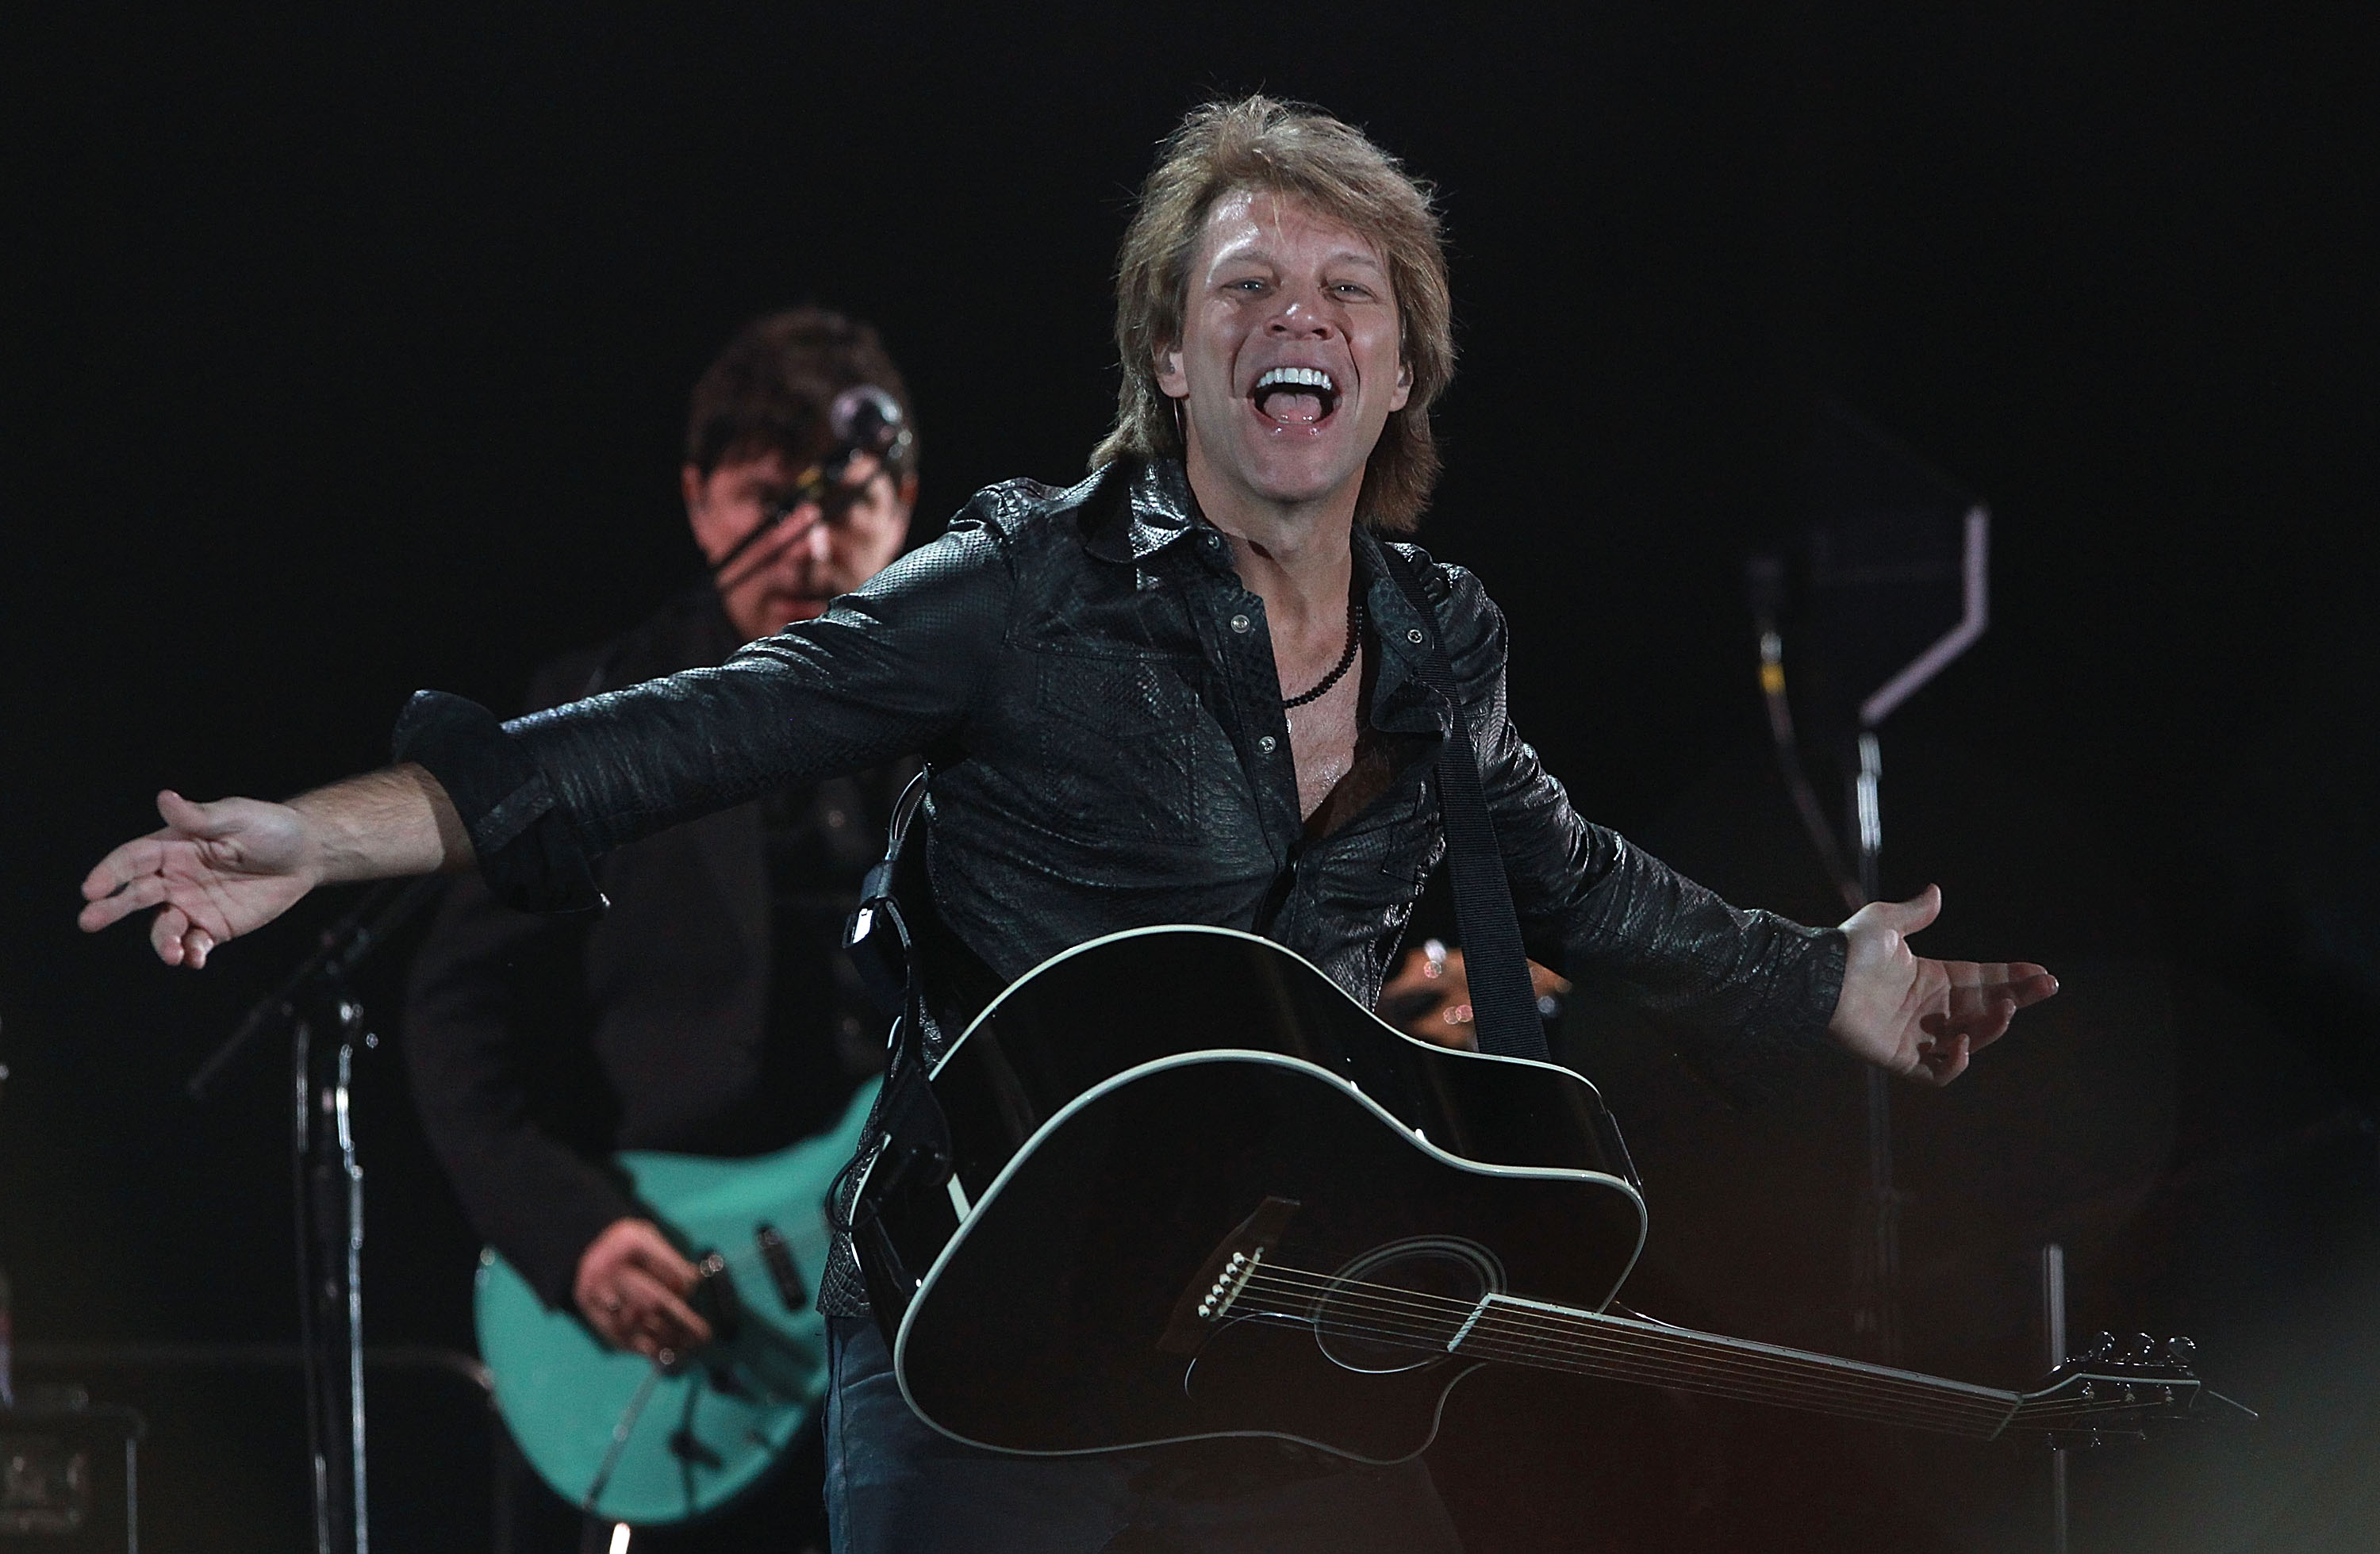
1312, 1233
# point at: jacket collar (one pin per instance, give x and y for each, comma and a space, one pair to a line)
1148, 507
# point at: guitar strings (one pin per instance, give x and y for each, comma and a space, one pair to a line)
1875, 1411
1602, 1345
1737, 1384
1754, 1373
1572, 1327
1956, 1419
1869, 1412
1598, 1337
1516, 1322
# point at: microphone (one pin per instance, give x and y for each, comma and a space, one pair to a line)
863, 420
867, 420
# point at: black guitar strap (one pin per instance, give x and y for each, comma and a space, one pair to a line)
908, 1140
1502, 1002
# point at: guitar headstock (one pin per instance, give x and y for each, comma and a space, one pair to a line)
2122, 1390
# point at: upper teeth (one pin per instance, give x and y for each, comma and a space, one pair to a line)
1296, 377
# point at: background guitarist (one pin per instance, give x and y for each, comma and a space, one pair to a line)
1187, 690
710, 1011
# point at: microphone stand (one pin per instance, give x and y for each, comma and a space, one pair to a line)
1876, 1253
328, 1191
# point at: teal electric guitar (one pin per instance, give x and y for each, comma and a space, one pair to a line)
626, 1440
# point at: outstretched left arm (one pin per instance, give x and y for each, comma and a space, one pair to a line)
1920, 1018
1749, 993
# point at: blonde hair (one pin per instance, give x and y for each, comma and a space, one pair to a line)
1257, 144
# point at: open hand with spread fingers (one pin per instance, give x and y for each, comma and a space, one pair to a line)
215, 872
1919, 1018
218, 870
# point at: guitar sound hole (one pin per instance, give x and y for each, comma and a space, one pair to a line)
1394, 1308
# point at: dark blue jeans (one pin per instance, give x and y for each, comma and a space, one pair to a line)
895, 1485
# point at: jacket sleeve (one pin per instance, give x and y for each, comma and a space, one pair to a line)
1746, 994
891, 669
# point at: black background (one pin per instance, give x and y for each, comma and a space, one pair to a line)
346, 353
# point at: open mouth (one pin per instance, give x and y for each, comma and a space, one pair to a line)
1295, 396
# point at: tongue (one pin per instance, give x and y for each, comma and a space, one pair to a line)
1286, 404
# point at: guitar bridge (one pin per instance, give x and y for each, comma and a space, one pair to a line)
1228, 1284
1223, 1275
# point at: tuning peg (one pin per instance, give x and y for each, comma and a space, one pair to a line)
2140, 1349
2181, 1352
2102, 1348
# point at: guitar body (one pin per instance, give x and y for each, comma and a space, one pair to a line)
1109, 1139
705, 1430
1193, 1191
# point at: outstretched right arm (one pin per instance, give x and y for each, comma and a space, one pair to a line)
218, 870
889, 670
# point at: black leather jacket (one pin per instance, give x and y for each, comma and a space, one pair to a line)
1096, 693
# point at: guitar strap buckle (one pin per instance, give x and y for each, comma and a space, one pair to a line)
876, 936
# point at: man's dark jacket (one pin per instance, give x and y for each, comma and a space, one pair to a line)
1096, 693
689, 1016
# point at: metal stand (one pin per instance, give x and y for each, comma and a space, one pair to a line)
1876, 1245
2053, 1324
328, 1182
1876, 1317
329, 1197
1877, 1258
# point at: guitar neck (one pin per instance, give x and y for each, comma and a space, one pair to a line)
1519, 1331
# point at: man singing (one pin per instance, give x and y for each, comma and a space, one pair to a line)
1187, 690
